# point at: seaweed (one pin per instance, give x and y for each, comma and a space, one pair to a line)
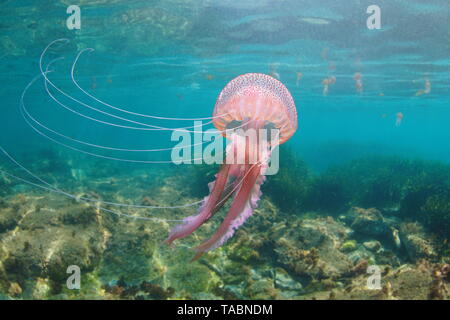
197, 177
380, 182
327, 194
289, 188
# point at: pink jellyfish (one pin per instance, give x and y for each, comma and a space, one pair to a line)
299, 77
273, 67
399, 118
358, 82
326, 84
427, 89
255, 102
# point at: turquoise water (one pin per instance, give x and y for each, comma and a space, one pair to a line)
171, 59
160, 63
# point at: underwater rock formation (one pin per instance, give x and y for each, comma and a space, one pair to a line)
279, 255
40, 243
417, 243
310, 249
370, 223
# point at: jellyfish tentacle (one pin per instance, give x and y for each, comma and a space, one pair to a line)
48, 81
240, 210
75, 82
22, 167
191, 223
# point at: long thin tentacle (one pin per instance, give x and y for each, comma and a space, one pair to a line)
227, 227
191, 223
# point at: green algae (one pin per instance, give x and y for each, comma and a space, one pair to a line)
349, 245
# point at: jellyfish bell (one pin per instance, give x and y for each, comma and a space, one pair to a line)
332, 80
326, 84
254, 103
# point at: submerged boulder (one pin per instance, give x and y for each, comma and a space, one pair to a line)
311, 250
418, 244
370, 223
42, 246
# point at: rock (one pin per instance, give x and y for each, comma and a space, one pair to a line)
361, 254
14, 289
311, 249
41, 246
10, 216
387, 257
195, 279
370, 223
41, 289
288, 287
205, 296
417, 243
419, 247
349, 245
232, 292
261, 289
373, 246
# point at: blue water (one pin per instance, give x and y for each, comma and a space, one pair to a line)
137, 68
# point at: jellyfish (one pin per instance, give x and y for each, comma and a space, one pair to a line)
358, 82
55, 136
252, 102
326, 84
255, 102
299, 77
273, 70
427, 88
399, 118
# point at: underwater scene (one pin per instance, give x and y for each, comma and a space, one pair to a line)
224, 150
